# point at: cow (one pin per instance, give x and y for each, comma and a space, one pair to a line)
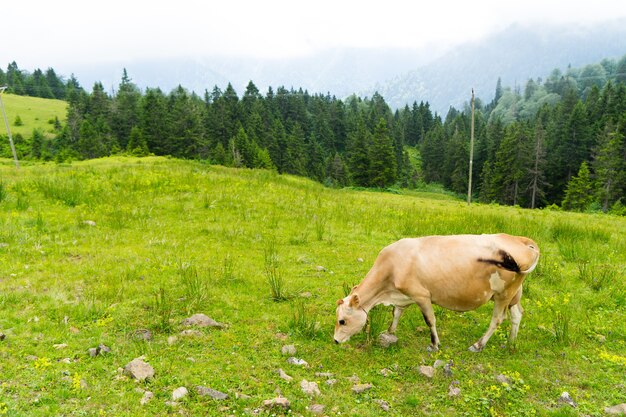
457, 272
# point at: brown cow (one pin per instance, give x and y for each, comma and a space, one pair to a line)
460, 273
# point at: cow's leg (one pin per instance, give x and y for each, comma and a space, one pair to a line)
397, 312
497, 318
516, 317
429, 317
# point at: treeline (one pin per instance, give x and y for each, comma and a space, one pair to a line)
535, 147
357, 142
37, 83
558, 142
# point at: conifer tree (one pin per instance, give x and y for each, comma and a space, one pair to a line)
579, 191
382, 170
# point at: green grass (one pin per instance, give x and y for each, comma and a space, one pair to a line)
35, 113
174, 238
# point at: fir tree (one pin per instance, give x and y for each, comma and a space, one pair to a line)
579, 191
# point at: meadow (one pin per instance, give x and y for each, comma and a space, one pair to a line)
34, 113
109, 251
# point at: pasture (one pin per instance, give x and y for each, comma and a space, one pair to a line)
34, 112
107, 251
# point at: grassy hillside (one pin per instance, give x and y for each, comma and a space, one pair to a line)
36, 113
104, 251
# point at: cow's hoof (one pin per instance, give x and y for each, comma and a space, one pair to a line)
475, 348
432, 348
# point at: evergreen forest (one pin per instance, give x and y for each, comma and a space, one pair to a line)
557, 142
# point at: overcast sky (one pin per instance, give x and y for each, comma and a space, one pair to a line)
62, 33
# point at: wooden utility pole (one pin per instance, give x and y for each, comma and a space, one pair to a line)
6, 121
471, 158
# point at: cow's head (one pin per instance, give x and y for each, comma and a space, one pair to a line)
351, 318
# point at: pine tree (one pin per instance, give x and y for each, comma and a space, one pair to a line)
609, 166
579, 191
382, 170
137, 145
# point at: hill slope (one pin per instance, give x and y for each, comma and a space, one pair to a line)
35, 113
119, 251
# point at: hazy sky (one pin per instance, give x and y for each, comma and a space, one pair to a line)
61, 33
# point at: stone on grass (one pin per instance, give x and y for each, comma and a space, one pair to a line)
309, 388
438, 364
142, 334
103, 349
616, 409
284, 376
447, 369
201, 320
191, 333
386, 372
306, 294
139, 369
387, 339
171, 340
567, 399
320, 268
59, 346
324, 374
93, 352
427, 371
180, 392
453, 390
503, 379
211, 393
360, 388
288, 350
298, 362
384, 405
147, 396
2, 336
354, 379
331, 382
278, 402
316, 409
90, 223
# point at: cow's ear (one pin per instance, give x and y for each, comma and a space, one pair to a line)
354, 301
340, 301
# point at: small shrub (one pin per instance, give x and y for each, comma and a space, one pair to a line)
18, 121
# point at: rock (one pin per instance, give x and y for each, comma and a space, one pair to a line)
288, 350
360, 260
147, 396
324, 374
279, 402
281, 336
66, 360
241, 396
439, 363
354, 379
74, 330
2, 336
284, 376
386, 372
202, 320
331, 382
567, 399
427, 371
191, 333
60, 346
142, 334
384, 405
211, 393
503, 379
310, 388
616, 409
316, 409
359, 388
298, 362
103, 349
180, 392
387, 339
93, 352
453, 390
139, 369
306, 294
320, 268
89, 223
172, 340
447, 369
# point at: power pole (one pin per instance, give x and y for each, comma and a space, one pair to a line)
471, 158
6, 121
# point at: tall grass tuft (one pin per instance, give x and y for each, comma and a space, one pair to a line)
561, 327
303, 322
69, 191
163, 308
596, 276
376, 323
278, 292
195, 285
3, 192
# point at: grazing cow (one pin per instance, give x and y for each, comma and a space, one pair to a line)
460, 273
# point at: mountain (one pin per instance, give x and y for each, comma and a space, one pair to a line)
340, 71
515, 54
444, 78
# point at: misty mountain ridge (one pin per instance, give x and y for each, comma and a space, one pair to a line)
401, 76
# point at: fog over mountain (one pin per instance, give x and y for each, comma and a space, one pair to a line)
442, 77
